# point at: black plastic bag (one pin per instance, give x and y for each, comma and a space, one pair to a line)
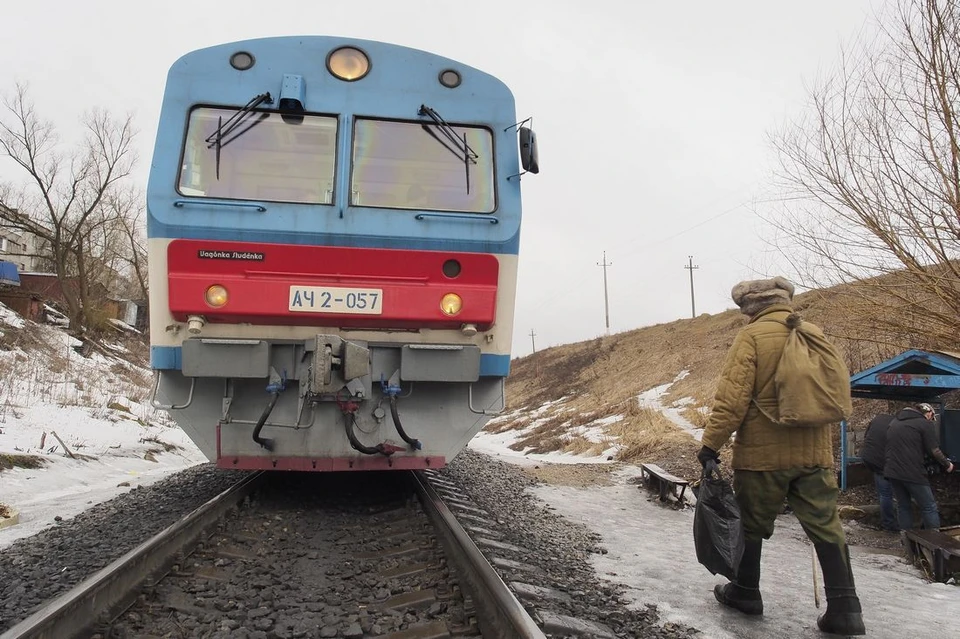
717, 528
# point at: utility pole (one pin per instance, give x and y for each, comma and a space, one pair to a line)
533, 341
693, 305
606, 303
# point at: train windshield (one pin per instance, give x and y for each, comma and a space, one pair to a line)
259, 156
414, 165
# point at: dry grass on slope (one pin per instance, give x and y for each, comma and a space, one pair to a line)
609, 370
600, 380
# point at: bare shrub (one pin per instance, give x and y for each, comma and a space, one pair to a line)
13, 460
647, 435
696, 416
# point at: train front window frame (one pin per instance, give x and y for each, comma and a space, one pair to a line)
410, 165
263, 158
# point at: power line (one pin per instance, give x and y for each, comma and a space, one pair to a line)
533, 342
548, 297
693, 305
606, 303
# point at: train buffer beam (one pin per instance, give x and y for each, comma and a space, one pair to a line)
665, 484
936, 551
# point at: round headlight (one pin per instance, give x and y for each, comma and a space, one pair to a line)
451, 304
348, 63
216, 296
241, 60
450, 78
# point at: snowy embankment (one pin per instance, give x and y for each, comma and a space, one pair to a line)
86, 420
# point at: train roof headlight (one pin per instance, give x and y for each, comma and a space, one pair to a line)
450, 78
216, 296
348, 63
242, 60
451, 304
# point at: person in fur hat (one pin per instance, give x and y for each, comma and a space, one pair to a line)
773, 463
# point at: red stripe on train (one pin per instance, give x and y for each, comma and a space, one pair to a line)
310, 464
262, 279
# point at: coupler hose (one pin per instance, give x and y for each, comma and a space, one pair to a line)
266, 443
349, 409
274, 388
348, 419
414, 443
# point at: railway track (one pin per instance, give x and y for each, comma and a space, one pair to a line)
305, 555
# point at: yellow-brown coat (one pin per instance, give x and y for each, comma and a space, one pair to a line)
748, 373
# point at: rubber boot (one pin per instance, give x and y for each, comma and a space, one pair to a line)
844, 615
744, 592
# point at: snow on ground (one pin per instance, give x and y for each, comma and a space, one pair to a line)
9, 318
99, 409
498, 444
653, 399
651, 553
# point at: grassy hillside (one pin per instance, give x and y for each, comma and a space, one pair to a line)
557, 394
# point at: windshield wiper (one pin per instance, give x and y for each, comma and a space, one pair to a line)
451, 141
221, 137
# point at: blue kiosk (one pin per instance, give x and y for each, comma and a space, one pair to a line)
913, 376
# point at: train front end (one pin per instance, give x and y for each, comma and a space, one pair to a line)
333, 236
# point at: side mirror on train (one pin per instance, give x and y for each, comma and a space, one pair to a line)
529, 158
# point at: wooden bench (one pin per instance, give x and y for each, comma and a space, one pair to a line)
936, 551
663, 482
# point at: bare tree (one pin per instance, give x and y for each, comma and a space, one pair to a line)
122, 242
65, 200
871, 181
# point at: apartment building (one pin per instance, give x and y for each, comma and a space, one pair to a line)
18, 247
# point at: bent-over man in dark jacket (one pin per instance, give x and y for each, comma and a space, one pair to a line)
913, 435
874, 457
773, 462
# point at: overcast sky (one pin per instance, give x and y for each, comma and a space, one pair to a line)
653, 120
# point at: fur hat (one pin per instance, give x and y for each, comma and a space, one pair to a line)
753, 296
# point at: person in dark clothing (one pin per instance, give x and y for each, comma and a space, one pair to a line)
873, 454
911, 436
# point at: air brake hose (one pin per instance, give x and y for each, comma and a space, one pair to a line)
348, 419
414, 443
274, 388
349, 410
266, 443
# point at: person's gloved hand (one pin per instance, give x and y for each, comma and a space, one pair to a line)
707, 455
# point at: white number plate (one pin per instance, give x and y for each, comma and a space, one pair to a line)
326, 299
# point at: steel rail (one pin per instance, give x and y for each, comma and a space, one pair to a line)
77, 610
507, 618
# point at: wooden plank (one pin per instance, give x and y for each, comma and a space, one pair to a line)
935, 539
65, 447
653, 469
665, 482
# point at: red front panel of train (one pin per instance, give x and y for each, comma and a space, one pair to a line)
292, 284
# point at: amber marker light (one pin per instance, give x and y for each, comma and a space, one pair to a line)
216, 296
348, 63
451, 304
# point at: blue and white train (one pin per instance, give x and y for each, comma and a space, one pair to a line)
334, 227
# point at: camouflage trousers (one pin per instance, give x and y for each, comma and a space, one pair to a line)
810, 492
